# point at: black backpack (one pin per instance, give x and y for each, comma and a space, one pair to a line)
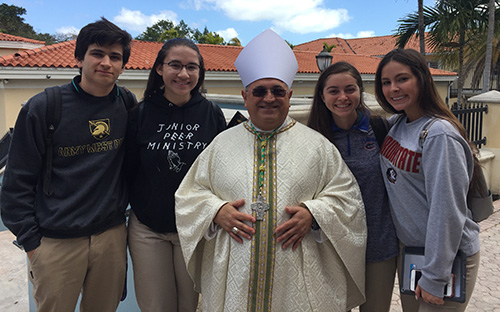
54, 105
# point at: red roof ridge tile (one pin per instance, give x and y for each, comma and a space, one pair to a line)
218, 45
8, 37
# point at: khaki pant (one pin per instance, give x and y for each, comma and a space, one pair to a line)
471, 268
161, 280
379, 283
95, 266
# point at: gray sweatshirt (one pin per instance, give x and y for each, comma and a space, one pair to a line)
427, 190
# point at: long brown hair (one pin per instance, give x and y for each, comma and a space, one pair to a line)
429, 101
320, 116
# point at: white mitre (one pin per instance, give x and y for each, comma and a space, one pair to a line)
267, 56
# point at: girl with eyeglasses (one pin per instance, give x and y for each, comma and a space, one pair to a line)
167, 131
428, 164
339, 113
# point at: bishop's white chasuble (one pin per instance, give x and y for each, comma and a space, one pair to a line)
299, 166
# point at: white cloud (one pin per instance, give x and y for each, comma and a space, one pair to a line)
361, 34
365, 34
342, 35
138, 21
197, 4
298, 16
227, 34
314, 21
67, 30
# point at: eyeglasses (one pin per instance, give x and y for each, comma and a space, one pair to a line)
176, 66
262, 92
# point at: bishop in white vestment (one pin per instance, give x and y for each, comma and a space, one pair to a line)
269, 216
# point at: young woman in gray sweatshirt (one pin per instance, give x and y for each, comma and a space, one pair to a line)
427, 180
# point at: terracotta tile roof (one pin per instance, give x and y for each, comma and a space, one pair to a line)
365, 64
57, 55
317, 46
7, 37
216, 57
143, 55
219, 58
374, 46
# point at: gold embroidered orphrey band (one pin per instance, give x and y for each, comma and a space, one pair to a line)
263, 241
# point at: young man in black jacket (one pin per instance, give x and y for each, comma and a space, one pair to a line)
72, 226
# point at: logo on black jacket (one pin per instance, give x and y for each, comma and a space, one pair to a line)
99, 128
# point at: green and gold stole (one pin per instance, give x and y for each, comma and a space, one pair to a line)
264, 241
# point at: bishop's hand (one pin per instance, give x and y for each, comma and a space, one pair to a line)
231, 220
293, 230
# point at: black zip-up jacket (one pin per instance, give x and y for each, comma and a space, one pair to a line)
162, 143
89, 188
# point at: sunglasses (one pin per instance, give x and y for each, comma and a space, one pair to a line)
262, 92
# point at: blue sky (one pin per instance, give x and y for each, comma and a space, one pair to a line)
297, 21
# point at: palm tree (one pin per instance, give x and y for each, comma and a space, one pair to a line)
489, 46
234, 42
291, 45
477, 63
477, 53
453, 25
421, 26
327, 47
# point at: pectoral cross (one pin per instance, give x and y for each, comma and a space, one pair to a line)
260, 207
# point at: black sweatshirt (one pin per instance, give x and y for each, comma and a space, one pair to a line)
165, 139
88, 151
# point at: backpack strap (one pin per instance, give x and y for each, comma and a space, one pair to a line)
53, 116
425, 131
135, 116
380, 128
127, 97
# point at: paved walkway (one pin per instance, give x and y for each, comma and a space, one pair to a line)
13, 276
486, 297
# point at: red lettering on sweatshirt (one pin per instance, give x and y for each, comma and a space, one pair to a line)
401, 157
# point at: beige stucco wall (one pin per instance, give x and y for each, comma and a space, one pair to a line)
8, 51
491, 168
13, 94
491, 130
3, 113
491, 127
11, 47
